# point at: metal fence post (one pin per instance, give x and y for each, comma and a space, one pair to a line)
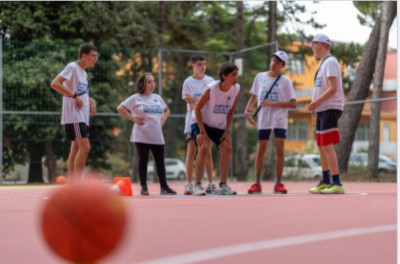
160, 71
1, 110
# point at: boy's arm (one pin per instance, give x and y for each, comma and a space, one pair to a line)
200, 104
332, 88
229, 117
93, 106
288, 104
57, 85
250, 109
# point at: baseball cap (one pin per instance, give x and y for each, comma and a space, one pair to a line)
282, 55
320, 38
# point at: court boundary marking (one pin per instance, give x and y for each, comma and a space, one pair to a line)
225, 251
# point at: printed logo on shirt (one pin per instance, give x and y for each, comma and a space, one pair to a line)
152, 109
82, 87
197, 95
317, 82
273, 96
222, 109
228, 98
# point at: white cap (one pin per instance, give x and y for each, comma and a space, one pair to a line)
282, 55
320, 38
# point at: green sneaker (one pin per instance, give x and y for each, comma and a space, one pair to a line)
319, 188
333, 189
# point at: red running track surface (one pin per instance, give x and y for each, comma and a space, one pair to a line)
357, 227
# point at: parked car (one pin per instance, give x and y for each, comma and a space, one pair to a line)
303, 166
175, 169
386, 164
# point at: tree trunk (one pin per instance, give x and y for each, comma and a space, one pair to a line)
35, 174
50, 161
359, 91
373, 150
270, 166
240, 157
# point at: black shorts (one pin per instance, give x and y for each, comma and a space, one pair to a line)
215, 134
77, 130
327, 131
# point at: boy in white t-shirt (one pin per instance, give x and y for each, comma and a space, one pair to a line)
192, 90
77, 107
273, 116
214, 113
328, 103
149, 112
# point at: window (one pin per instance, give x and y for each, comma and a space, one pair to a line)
296, 63
297, 130
362, 132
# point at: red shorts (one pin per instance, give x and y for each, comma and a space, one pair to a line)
327, 127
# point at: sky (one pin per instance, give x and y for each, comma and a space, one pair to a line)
341, 22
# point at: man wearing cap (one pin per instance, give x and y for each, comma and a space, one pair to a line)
274, 93
327, 103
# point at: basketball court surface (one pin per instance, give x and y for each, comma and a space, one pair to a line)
357, 227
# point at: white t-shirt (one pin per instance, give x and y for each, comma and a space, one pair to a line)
149, 108
271, 117
195, 88
217, 108
330, 67
77, 81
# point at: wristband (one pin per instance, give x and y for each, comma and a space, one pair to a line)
202, 132
75, 95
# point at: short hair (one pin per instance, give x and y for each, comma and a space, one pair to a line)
85, 49
198, 57
226, 68
141, 82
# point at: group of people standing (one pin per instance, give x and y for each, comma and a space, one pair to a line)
210, 108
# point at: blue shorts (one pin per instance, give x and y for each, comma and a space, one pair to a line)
263, 134
215, 134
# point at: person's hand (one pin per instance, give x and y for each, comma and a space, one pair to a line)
78, 102
267, 102
249, 117
201, 139
138, 121
93, 107
226, 136
312, 106
188, 98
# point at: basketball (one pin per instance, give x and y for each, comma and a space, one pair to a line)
83, 223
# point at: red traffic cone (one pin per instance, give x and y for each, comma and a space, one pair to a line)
122, 186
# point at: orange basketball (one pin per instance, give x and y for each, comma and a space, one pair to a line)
83, 223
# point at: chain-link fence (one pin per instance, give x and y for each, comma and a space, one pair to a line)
34, 146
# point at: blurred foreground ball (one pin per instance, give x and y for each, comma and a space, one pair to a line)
83, 223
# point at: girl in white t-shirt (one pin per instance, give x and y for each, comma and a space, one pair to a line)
214, 113
149, 112
273, 116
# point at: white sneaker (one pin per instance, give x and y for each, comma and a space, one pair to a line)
188, 189
212, 188
198, 189
226, 190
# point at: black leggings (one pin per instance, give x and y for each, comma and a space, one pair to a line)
158, 154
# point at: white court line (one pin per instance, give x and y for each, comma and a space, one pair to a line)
214, 253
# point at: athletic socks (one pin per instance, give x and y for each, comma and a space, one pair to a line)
336, 180
326, 177
258, 178
278, 178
